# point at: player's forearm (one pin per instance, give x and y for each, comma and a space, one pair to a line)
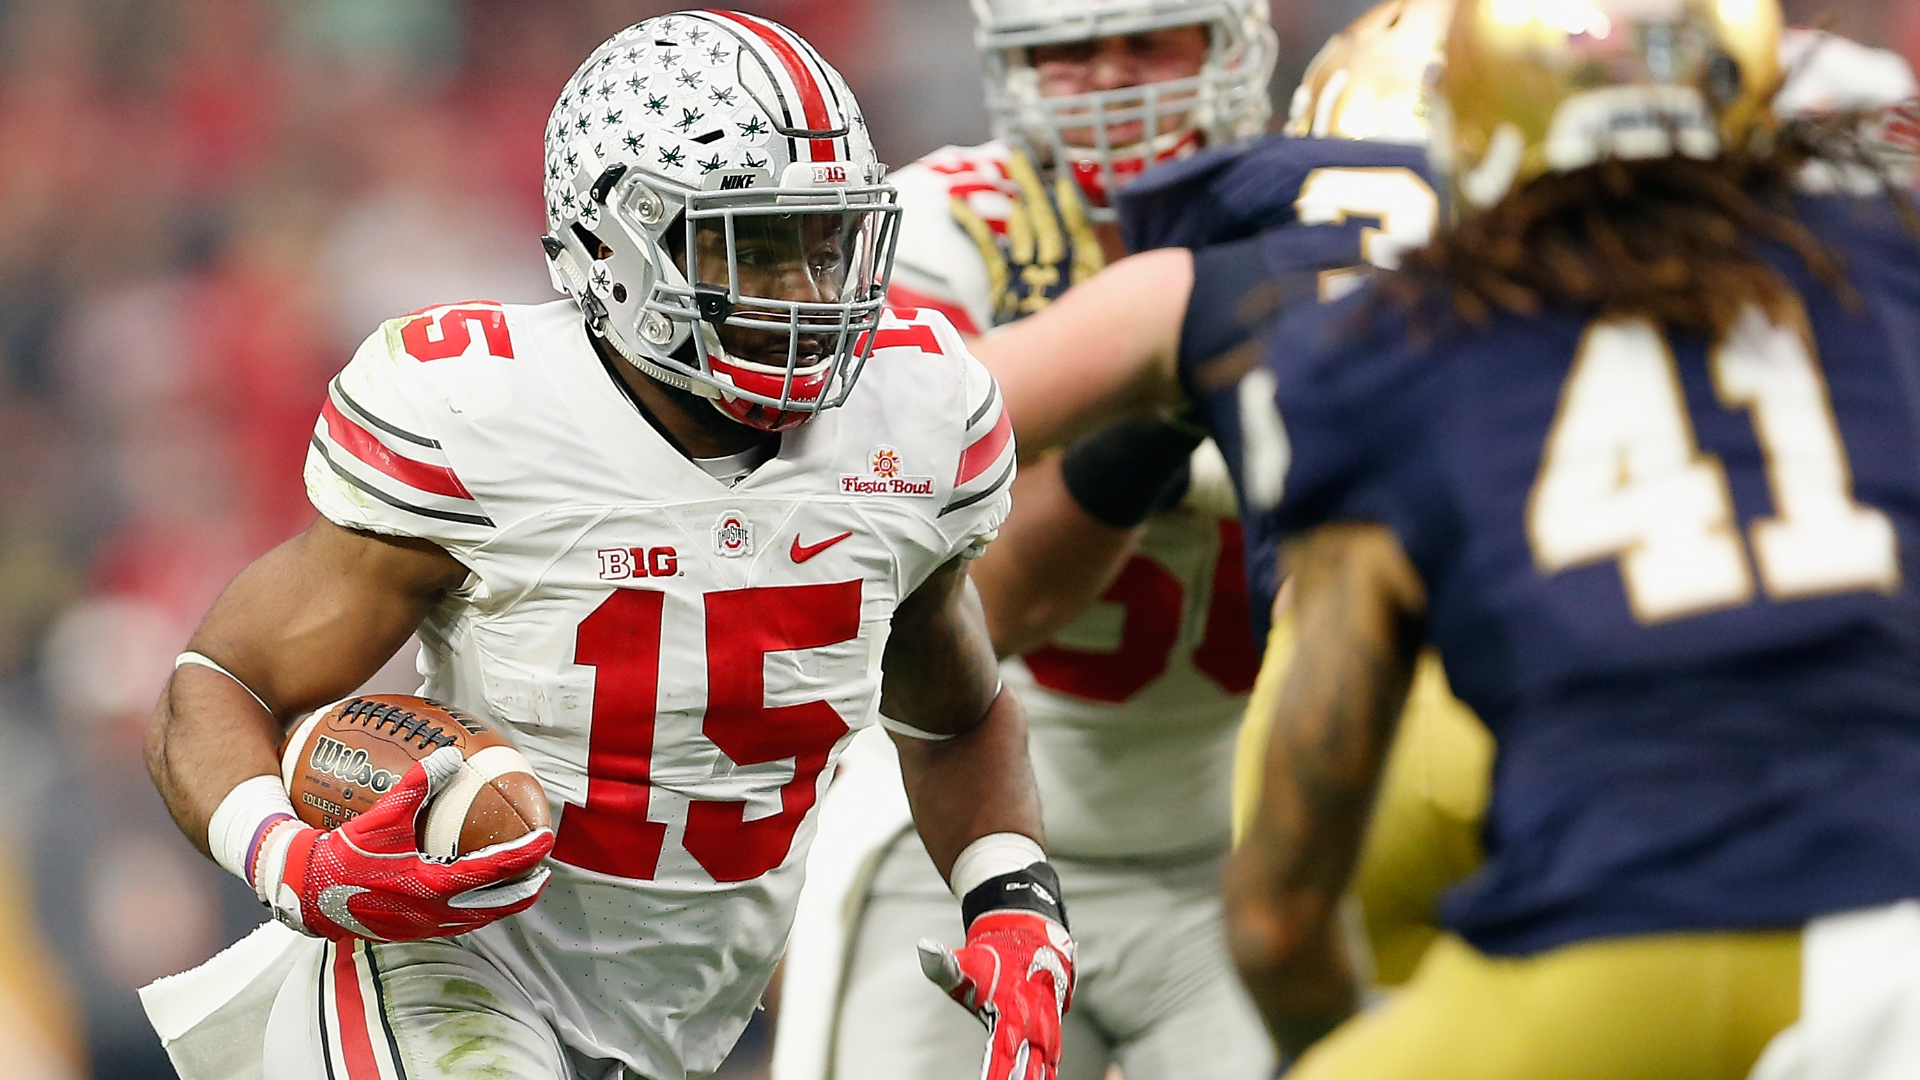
206, 736
1357, 604
1105, 350
1286, 943
304, 625
1051, 562
972, 785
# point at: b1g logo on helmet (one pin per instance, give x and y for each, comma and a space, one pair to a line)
732, 535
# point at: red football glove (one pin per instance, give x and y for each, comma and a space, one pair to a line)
1016, 974
366, 879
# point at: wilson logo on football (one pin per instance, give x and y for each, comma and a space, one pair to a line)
733, 535
884, 477
348, 766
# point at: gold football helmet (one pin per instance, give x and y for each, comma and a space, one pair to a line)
1371, 80
1531, 87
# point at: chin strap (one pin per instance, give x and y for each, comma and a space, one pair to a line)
652, 368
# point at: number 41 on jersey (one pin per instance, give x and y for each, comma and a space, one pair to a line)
1623, 477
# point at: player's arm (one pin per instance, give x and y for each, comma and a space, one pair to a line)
1359, 607
963, 758
1106, 349
304, 625
1078, 517
1052, 561
970, 776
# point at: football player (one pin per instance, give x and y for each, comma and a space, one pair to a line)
1132, 706
1354, 150
1275, 225
680, 537
1631, 444
1085, 95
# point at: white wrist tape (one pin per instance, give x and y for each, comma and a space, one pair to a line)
243, 819
911, 732
990, 856
202, 660
899, 727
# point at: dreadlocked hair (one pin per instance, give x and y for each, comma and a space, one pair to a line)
1670, 239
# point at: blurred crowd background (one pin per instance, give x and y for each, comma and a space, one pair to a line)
204, 206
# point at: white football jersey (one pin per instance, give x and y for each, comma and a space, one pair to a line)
680, 660
937, 264
1134, 707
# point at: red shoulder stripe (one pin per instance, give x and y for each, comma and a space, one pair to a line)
899, 296
356, 440
985, 450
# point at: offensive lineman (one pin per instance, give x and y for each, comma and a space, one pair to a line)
680, 549
1277, 209
1132, 707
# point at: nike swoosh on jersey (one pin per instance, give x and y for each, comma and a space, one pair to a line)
802, 552
333, 904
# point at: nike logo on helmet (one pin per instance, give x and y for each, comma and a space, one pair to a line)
802, 552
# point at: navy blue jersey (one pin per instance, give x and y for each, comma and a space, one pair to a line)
1274, 224
1242, 191
1676, 579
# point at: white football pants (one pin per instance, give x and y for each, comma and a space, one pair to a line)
1155, 991
284, 1007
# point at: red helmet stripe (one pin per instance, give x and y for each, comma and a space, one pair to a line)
813, 103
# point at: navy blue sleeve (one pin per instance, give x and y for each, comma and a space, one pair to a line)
1323, 414
1240, 192
1241, 286
1175, 205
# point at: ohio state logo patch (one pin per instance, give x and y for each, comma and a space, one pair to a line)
884, 476
732, 535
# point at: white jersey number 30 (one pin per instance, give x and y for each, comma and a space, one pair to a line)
1623, 478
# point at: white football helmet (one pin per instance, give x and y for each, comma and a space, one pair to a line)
715, 207
1225, 102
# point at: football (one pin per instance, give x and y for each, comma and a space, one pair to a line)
339, 759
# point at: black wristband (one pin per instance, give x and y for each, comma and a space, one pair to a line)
1125, 474
1036, 888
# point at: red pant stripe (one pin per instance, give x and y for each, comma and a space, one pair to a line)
356, 1042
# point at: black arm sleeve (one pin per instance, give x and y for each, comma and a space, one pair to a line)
1124, 474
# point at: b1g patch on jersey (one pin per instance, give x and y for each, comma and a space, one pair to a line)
885, 476
733, 535
621, 564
